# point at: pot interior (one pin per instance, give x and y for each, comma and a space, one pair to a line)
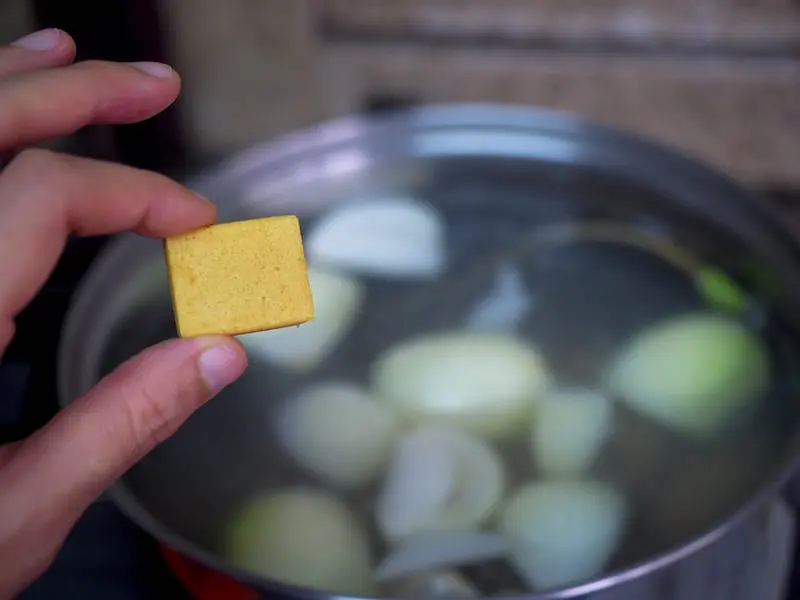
586, 295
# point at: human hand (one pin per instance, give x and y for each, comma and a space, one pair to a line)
48, 479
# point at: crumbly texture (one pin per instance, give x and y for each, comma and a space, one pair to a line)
240, 277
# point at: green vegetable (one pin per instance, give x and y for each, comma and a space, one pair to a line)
720, 291
303, 538
693, 373
562, 532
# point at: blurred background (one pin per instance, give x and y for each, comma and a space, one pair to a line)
719, 79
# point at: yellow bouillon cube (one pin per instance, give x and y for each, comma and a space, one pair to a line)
240, 277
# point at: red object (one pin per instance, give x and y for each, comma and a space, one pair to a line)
203, 583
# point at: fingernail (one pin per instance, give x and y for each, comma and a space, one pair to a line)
45, 39
200, 196
155, 69
221, 364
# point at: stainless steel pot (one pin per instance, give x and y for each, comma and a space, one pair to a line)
537, 167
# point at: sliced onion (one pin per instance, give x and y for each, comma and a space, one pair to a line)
339, 432
484, 383
440, 480
441, 550
435, 585
693, 373
504, 307
304, 538
337, 300
569, 430
388, 237
420, 481
562, 532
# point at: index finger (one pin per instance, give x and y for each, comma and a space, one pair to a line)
45, 196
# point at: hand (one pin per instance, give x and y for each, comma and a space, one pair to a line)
47, 480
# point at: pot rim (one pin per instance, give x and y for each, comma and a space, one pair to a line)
352, 129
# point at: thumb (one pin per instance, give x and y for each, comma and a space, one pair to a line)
54, 474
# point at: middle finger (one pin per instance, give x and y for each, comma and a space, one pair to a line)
50, 103
39, 50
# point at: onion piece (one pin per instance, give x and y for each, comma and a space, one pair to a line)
562, 532
484, 383
569, 431
420, 481
339, 432
504, 306
441, 550
304, 538
388, 237
440, 480
337, 301
693, 373
434, 585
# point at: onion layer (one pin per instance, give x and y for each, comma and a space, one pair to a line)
483, 383
440, 480
562, 532
388, 237
339, 432
693, 373
304, 538
569, 431
441, 550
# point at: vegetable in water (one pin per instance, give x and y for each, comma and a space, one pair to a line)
506, 304
447, 585
339, 432
441, 550
440, 479
483, 383
304, 538
562, 532
693, 373
569, 431
389, 237
720, 291
337, 300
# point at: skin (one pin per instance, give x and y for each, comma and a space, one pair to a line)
49, 479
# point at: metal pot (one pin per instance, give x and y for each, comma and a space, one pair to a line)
500, 169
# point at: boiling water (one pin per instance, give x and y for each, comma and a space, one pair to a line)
585, 299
